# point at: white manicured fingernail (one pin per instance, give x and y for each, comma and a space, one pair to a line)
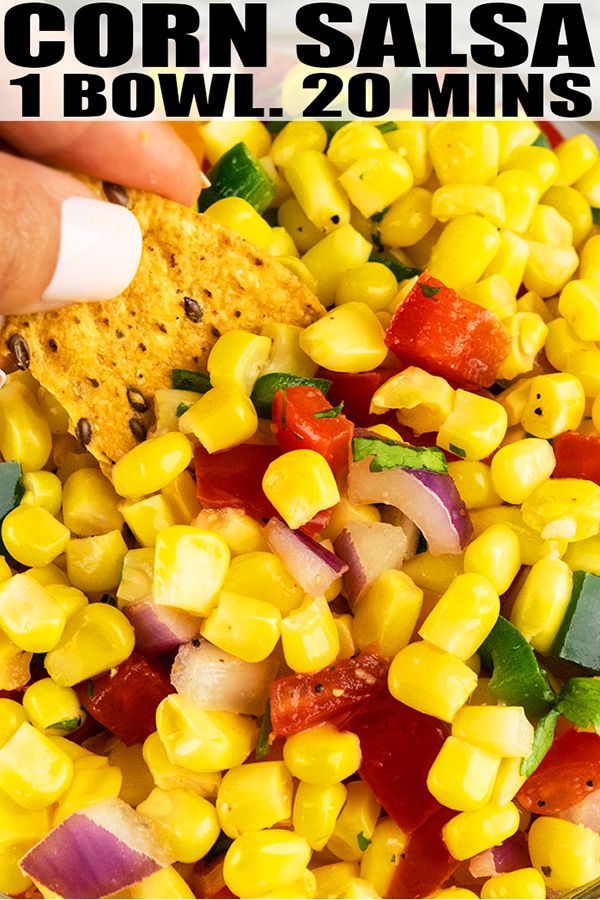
100, 250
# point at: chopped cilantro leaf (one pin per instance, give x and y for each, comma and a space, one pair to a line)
109, 599
429, 290
542, 741
378, 216
458, 451
363, 841
595, 215
391, 455
332, 413
579, 702
183, 407
66, 725
386, 127
263, 747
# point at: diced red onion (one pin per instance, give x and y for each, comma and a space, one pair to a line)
313, 566
159, 629
368, 548
429, 499
586, 812
512, 854
216, 680
396, 517
96, 851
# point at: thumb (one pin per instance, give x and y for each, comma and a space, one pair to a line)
59, 244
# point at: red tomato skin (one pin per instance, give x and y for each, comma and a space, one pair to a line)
315, 526
551, 132
426, 863
126, 702
398, 746
300, 701
296, 427
569, 771
447, 335
234, 478
356, 391
577, 456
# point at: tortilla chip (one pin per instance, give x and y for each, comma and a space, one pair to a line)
197, 279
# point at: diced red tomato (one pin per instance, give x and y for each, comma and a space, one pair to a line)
398, 746
298, 425
356, 391
552, 133
569, 771
437, 330
126, 702
234, 478
317, 523
426, 863
577, 456
301, 701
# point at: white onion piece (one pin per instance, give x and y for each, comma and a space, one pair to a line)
586, 812
512, 854
159, 629
394, 516
313, 566
216, 680
99, 850
368, 548
429, 499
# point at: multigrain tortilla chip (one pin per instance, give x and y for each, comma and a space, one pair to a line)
104, 361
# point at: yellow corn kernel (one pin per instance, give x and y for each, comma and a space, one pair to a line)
376, 180
260, 574
151, 465
387, 613
574, 208
316, 809
556, 403
496, 555
520, 191
462, 775
502, 730
286, 354
297, 136
549, 268
333, 879
493, 293
344, 624
136, 578
167, 402
180, 495
21, 829
464, 152
93, 781
579, 304
567, 508
12, 716
241, 217
532, 303
354, 141
254, 796
314, 183
241, 532
452, 200
590, 258
221, 418
74, 461
55, 414
90, 504
464, 250
519, 468
431, 680
33, 536
24, 432
515, 134
136, 778
356, 823
300, 484
466, 613
471, 832
568, 855
589, 185
52, 708
345, 512
168, 775
509, 781
585, 366
584, 555
94, 563
309, 636
381, 857
219, 136
539, 162
410, 140
475, 427
262, 862
525, 883
29, 616
181, 552
42, 489
528, 332
33, 771
454, 893
562, 342
14, 665
96, 639
304, 889
542, 602
147, 517
330, 258
243, 626
371, 283
514, 400
533, 546
358, 887
237, 359
408, 219
322, 755
576, 156
300, 270
433, 573
473, 482
203, 740
423, 401
510, 259
547, 226
187, 822
166, 883
295, 221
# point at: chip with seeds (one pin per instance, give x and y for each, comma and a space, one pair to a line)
104, 361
